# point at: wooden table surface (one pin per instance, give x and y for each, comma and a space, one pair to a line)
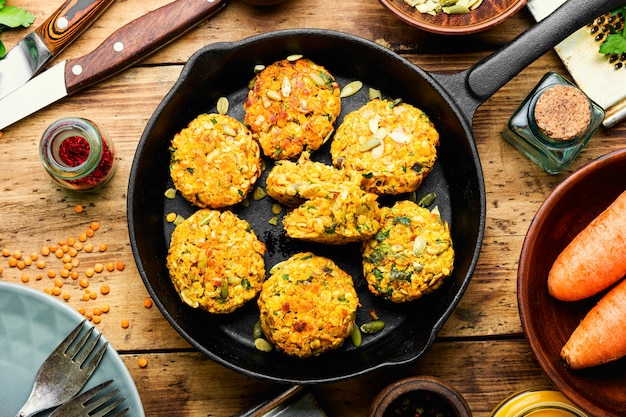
481, 349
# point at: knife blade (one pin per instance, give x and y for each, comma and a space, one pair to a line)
30, 55
126, 46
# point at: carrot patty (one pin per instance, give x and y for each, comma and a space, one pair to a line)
308, 305
215, 261
214, 161
292, 106
410, 255
392, 145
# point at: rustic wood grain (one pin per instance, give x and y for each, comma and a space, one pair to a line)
481, 349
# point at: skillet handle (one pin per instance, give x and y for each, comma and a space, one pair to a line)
482, 80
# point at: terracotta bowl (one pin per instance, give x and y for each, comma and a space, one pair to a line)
548, 322
416, 385
489, 14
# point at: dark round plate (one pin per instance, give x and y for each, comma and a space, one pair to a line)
547, 322
225, 70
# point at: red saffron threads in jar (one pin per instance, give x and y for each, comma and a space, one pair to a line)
101, 171
74, 150
77, 154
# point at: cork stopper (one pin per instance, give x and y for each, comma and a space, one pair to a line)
562, 112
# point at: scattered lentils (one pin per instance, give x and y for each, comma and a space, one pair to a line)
66, 251
142, 362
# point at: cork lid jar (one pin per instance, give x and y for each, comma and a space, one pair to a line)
554, 123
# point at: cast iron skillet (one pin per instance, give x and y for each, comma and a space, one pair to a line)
224, 69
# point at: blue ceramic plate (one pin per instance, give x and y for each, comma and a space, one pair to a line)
32, 324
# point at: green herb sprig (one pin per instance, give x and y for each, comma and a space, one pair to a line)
615, 42
12, 17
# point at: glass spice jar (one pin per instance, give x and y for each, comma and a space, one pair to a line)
554, 123
537, 402
77, 154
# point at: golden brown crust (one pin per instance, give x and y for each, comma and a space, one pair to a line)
215, 261
308, 305
411, 254
215, 161
392, 145
292, 106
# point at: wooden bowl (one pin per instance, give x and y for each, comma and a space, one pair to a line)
264, 2
489, 14
408, 386
548, 322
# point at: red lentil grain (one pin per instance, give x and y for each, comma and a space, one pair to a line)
105, 289
147, 303
102, 247
106, 308
142, 362
120, 266
125, 323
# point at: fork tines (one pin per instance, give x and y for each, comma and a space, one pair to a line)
96, 402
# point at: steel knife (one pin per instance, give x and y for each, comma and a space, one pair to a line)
126, 46
37, 49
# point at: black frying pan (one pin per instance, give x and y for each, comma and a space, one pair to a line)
224, 69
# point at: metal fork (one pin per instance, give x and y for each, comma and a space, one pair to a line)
65, 372
93, 403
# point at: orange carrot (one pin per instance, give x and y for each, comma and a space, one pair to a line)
600, 336
595, 259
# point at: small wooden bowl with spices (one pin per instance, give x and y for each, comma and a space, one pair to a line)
420, 395
453, 17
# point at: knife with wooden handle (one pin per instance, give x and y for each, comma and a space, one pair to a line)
37, 49
126, 46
